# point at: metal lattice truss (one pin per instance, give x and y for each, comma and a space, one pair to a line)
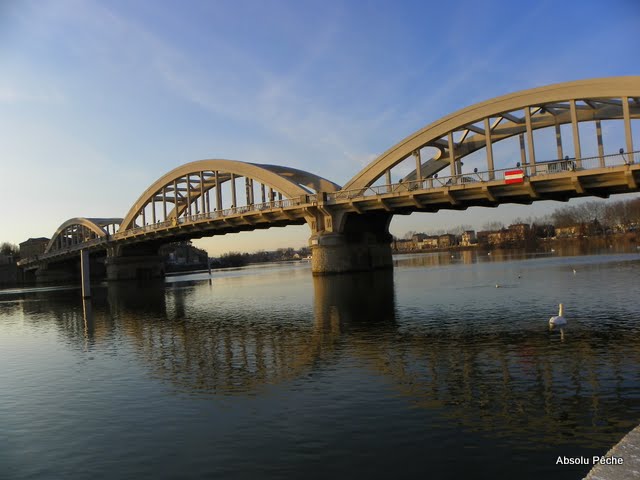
519, 114
82, 230
207, 186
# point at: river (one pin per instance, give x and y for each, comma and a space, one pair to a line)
443, 368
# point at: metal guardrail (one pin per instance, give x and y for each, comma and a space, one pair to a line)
539, 168
63, 251
217, 214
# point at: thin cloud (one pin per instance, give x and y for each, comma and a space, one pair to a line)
13, 96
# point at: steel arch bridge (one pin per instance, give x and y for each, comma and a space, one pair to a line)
81, 231
349, 225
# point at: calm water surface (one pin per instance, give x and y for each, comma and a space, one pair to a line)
267, 372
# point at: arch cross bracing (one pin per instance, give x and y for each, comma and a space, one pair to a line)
518, 114
81, 230
204, 186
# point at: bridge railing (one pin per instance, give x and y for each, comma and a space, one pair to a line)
62, 251
528, 170
216, 214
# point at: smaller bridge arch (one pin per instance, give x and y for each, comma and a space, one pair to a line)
79, 230
204, 186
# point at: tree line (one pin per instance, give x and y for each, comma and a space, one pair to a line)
238, 259
9, 249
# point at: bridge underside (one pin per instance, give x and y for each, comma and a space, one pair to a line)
406, 199
67, 270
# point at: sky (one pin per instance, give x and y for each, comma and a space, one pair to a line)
98, 99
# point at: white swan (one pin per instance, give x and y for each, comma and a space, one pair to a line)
558, 320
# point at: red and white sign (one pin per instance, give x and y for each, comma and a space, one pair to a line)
514, 176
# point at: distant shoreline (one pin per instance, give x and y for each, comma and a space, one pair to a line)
593, 241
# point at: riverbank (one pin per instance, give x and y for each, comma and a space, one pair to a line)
587, 245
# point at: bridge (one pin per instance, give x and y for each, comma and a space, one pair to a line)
482, 155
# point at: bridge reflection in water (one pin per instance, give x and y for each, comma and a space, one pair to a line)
487, 376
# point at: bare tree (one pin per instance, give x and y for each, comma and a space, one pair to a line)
7, 248
460, 229
493, 226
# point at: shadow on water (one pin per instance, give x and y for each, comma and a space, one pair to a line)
354, 300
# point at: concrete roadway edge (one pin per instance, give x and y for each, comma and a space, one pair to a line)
629, 449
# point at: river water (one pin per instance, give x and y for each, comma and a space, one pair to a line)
428, 371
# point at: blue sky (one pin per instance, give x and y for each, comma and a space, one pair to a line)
98, 99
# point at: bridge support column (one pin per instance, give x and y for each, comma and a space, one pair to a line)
85, 274
141, 267
363, 243
140, 262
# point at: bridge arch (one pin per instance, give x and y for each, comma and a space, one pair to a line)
516, 114
187, 189
80, 229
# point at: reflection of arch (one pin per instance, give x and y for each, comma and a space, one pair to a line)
512, 388
80, 229
229, 355
586, 100
189, 186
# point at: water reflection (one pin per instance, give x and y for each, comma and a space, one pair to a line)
482, 374
345, 301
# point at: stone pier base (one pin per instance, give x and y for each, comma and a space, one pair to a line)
341, 253
141, 267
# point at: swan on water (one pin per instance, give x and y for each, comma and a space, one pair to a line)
558, 320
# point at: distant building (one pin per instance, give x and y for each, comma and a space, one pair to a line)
520, 232
579, 230
516, 234
468, 238
545, 231
482, 237
33, 247
446, 240
569, 231
418, 237
430, 242
497, 238
404, 245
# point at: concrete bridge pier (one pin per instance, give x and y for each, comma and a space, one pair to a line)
350, 243
142, 263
